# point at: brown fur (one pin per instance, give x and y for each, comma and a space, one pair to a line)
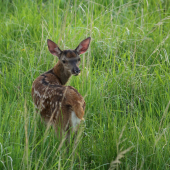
70, 53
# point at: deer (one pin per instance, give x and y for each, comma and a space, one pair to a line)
61, 106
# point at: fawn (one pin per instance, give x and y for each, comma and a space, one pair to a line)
62, 106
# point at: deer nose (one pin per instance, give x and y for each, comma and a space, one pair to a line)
76, 70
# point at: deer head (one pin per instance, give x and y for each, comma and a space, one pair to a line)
70, 59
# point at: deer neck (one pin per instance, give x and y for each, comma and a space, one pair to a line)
61, 73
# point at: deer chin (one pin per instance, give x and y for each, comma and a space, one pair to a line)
74, 74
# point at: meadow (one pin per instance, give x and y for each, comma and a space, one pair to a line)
125, 80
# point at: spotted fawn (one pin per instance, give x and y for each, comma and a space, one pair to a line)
61, 106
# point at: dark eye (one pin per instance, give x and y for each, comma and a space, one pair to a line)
63, 61
79, 59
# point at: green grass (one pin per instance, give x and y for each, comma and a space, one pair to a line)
125, 80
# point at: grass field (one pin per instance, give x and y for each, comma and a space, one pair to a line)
125, 81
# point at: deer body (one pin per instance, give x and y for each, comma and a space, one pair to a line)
62, 106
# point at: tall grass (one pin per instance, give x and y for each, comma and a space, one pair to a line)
125, 81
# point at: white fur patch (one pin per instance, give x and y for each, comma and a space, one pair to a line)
74, 120
57, 50
79, 48
37, 93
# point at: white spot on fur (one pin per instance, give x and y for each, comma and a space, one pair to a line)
43, 105
37, 93
56, 115
74, 120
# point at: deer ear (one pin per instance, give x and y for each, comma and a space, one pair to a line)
53, 48
83, 46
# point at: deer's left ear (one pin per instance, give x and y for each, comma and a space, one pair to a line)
83, 46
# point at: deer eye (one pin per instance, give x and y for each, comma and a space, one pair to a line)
63, 61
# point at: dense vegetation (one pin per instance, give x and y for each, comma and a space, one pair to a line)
125, 81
